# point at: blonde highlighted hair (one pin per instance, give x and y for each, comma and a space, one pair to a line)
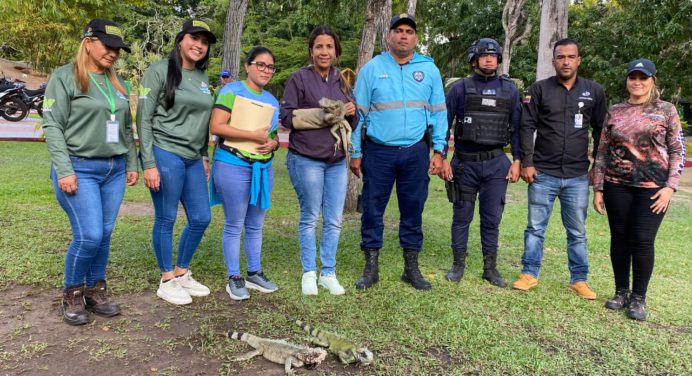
81, 70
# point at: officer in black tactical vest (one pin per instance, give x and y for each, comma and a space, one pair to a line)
483, 111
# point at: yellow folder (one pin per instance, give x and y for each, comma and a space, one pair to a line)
249, 115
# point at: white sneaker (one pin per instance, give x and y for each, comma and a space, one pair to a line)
192, 287
330, 283
173, 293
309, 283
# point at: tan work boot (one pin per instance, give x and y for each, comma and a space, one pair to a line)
525, 282
582, 289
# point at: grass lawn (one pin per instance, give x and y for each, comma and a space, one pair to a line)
465, 328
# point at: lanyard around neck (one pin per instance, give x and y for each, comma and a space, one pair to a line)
109, 97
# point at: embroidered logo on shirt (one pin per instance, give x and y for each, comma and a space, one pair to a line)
383, 76
204, 88
120, 95
47, 104
586, 94
143, 92
418, 76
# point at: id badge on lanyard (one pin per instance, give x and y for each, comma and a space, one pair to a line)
579, 117
112, 130
112, 125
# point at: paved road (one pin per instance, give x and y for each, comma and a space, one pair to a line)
23, 130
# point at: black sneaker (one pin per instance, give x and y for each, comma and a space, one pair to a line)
620, 300
637, 307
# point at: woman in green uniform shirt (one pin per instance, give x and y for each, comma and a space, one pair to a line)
173, 126
87, 125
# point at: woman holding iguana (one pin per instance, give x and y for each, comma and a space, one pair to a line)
316, 162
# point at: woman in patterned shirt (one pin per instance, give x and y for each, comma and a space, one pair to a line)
638, 167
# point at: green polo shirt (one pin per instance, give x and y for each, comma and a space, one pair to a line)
74, 123
182, 129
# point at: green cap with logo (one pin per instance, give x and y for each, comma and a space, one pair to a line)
108, 32
196, 26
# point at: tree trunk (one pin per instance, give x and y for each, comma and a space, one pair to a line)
411, 7
232, 31
513, 17
553, 28
377, 15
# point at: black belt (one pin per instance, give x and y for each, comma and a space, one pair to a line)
240, 155
480, 155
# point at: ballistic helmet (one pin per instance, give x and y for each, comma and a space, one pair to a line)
484, 46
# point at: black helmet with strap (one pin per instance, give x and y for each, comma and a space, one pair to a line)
484, 46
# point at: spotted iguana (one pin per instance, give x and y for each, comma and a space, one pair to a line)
345, 350
280, 351
331, 113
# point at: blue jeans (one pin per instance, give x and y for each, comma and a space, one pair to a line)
319, 185
233, 185
574, 200
92, 212
182, 180
384, 166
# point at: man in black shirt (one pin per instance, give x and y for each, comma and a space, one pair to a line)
559, 110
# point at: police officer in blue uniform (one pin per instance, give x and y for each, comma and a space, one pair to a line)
483, 111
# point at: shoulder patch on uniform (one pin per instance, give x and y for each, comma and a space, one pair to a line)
143, 92
47, 104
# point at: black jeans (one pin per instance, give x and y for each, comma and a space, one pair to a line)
633, 228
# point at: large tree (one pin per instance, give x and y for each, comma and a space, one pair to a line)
232, 31
553, 28
517, 26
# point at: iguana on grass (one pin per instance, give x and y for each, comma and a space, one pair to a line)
331, 113
345, 350
280, 351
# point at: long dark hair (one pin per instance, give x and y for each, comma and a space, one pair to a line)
175, 74
326, 30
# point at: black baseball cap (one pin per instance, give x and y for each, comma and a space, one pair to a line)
402, 18
108, 32
196, 26
645, 66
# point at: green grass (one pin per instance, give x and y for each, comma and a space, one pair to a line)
462, 328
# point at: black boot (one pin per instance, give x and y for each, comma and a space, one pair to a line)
371, 271
412, 273
490, 272
620, 300
97, 301
637, 307
73, 311
457, 271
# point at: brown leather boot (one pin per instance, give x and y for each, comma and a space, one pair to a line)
73, 310
97, 301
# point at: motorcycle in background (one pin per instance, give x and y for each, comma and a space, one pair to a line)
12, 107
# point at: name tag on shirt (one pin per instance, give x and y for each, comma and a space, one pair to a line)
489, 92
578, 120
488, 102
112, 131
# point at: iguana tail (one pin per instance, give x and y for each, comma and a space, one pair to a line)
312, 331
245, 337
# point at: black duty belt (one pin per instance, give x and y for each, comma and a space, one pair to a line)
480, 155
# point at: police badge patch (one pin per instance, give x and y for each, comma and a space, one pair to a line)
418, 76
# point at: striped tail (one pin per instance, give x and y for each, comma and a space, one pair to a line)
238, 336
312, 331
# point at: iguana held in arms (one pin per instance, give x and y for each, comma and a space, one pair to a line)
332, 114
280, 351
345, 350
